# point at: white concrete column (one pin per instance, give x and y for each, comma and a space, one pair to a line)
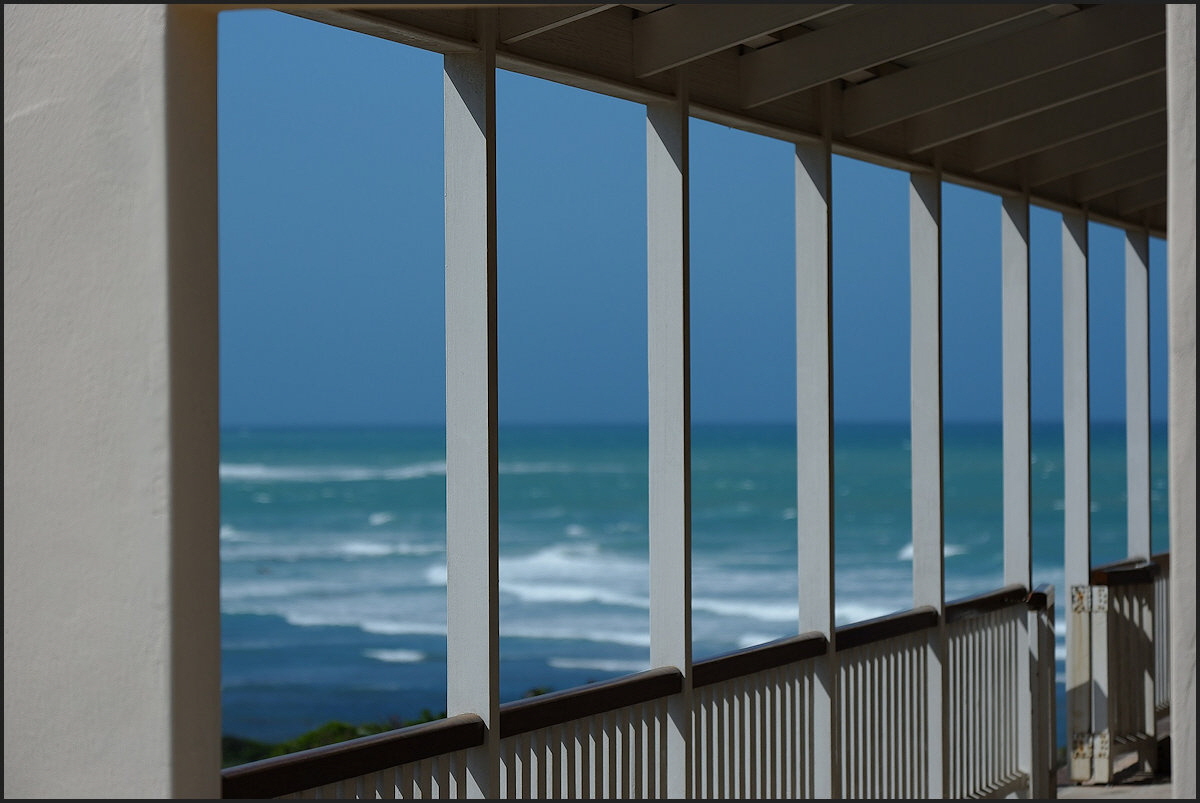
1014, 258
669, 367
1137, 393
1077, 486
925, 266
1014, 255
472, 506
1181, 317
111, 497
814, 442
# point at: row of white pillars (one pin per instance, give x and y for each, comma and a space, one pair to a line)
471, 457
472, 548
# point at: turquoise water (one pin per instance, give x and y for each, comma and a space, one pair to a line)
334, 565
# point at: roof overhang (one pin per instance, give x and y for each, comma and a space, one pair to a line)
1064, 102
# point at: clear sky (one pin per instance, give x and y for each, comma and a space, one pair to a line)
331, 226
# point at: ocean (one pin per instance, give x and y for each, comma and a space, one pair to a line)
333, 558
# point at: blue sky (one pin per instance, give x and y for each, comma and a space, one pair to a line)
332, 298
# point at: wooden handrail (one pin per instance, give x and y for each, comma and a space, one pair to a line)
1125, 573
881, 628
555, 708
308, 769
983, 604
756, 659
1040, 598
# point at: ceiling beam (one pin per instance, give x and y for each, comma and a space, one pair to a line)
683, 33
1011, 141
1096, 149
521, 23
994, 64
370, 24
884, 33
1143, 196
1014, 101
1120, 174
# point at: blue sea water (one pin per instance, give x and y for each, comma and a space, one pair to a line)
333, 554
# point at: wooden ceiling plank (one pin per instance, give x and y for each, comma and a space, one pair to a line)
373, 25
991, 65
521, 23
887, 32
1024, 98
1120, 174
1009, 142
1145, 195
683, 33
1097, 149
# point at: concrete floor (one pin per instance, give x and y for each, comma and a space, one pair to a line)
1156, 788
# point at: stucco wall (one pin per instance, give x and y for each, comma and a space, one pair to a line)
101, 243
1181, 313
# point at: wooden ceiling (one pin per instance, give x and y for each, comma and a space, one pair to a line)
1065, 102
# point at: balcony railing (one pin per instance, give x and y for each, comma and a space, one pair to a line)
1125, 614
753, 727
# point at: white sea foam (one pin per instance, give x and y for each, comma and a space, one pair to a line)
845, 613
948, 550
349, 618
258, 472
747, 640
628, 638
576, 594
396, 656
548, 467
376, 519
266, 587
387, 628
261, 472
763, 611
352, 549
599, 664
436, 575
228, 533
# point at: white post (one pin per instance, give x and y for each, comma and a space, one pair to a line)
814, 443
1014, 251
1077, 493
112, 643
669, 367
1137, 393
925, 220
1181, 316
472, 542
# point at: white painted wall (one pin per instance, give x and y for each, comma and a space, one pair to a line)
1181, 335
111, 575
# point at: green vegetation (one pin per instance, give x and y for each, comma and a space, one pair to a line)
236, 750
